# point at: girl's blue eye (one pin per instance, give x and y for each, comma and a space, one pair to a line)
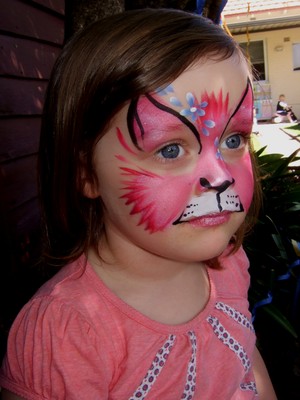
233, 142
170, 151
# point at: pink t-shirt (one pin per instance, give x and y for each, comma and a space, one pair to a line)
76, 340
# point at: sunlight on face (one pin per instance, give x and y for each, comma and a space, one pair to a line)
198, 141
174, 171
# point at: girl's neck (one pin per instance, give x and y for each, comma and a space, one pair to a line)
164, 290
118, 255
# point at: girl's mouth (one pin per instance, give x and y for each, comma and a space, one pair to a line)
211, 219
211, 207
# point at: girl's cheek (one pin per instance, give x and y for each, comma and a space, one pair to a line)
244, 181
157, 200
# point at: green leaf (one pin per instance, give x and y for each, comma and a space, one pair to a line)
285, 163
258, 152
280, 246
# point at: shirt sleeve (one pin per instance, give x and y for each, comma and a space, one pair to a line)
53, 353
235, 273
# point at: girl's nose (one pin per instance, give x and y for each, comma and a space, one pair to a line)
213, 174
219, 187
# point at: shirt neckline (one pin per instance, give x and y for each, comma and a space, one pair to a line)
142, 319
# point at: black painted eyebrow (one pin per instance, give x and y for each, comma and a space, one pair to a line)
248, 87
133, 115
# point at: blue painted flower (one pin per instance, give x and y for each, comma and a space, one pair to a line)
208, 124
164, 91
218, 153
194, 110
175, 102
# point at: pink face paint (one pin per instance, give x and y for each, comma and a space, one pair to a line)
157, 199
153, 196
165, 199
225, 186
153, 124
241, 121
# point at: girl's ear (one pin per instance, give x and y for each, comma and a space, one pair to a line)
90, 189
87, 184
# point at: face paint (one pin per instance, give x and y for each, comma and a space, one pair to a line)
158, 198
151, 122
155, 198
223, 188
221, 180
156, 159
123, 142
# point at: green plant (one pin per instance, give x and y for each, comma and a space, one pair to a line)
272, 246
293, 130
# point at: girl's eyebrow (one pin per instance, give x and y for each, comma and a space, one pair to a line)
133, 118
166, 127
177, 115
248, 87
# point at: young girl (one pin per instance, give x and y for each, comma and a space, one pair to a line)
147, 187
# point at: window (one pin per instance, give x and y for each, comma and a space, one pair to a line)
255, 50
296, 57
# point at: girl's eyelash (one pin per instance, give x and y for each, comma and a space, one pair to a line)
173, 142
244, 140
167, 160
245, 135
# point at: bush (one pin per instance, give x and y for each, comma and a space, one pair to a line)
274, 252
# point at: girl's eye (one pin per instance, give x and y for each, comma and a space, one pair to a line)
170, 151
233, 142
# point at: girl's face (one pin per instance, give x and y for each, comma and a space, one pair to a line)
174, 170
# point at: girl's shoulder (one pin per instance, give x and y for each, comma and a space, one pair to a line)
54, 340
68, 276
63, 323
233, 278
69, 306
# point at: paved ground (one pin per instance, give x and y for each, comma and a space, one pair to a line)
276, 140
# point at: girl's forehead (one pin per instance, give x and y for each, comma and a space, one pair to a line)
230, 75
198, 83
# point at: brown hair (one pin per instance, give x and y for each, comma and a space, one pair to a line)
103, 67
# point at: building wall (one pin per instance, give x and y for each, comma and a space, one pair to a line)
31, 37
279, 64
30, 40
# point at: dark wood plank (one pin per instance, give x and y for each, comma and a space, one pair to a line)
25, 218
55, 5
32, 34
19, 179
21, 97
23, 57
19, 137
23, 19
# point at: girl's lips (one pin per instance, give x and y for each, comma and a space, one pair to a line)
211, 219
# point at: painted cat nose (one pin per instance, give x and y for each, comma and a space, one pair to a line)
219, 188
204, 182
